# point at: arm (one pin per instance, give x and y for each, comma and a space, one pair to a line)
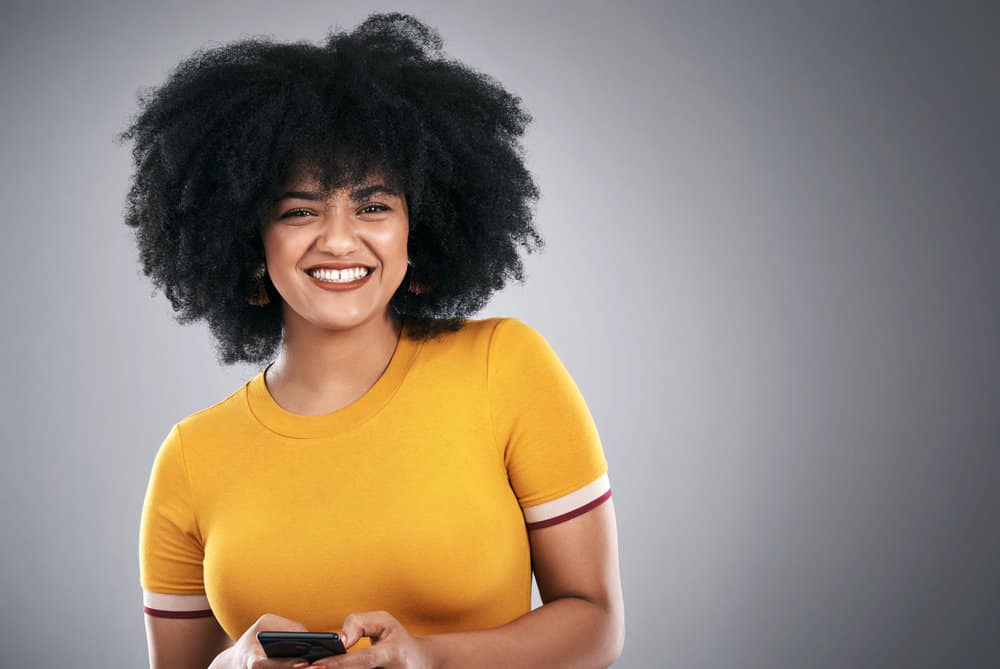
582, 621
580, 625
184, 643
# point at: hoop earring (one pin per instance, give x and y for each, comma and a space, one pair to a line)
257, 294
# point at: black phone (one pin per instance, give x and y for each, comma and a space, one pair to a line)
310, 646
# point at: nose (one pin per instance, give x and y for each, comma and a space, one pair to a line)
338, 233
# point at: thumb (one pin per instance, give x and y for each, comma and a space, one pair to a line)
376, 625
271, 622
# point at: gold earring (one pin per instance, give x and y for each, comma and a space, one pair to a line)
258, 290
412, 286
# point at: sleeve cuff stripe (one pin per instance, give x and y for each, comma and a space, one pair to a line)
570, 514
568, 502
158, 613
159, 601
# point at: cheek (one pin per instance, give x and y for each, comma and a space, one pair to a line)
282, 247
271, 242
392, 247
282, 259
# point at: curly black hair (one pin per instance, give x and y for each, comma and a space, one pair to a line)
216, 142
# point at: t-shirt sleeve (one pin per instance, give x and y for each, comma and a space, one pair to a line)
549, 442
170, 544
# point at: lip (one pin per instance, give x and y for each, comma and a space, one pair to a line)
338, 287
337, 265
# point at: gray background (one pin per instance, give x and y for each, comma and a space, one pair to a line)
771, 268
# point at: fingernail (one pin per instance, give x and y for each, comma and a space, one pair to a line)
300, 665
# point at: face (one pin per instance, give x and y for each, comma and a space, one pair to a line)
360, 226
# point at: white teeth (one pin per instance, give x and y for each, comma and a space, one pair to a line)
339, 276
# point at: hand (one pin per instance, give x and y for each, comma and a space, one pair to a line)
247, 653
392, 646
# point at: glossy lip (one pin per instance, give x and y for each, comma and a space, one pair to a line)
337, 287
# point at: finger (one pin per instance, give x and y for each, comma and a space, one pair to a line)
377, 625
368, 658
278, 663
263, 662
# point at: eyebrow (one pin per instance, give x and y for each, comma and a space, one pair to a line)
357, 195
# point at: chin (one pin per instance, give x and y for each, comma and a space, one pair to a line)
345, 321
340, 323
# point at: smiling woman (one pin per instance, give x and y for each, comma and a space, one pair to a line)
359, 234
336, 265
235, 127
339, 213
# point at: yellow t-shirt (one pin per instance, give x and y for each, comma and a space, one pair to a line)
415, 499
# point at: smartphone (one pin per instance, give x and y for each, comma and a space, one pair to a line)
310, 646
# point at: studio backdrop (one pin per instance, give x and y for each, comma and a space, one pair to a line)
770, 266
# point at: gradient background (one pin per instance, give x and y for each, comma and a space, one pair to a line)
771, 268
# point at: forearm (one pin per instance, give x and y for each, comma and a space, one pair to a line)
566, 632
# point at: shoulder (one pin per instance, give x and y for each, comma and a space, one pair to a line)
473, 337
217, 419
486, 339
520, 345
479, 330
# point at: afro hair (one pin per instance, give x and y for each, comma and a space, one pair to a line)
215, 143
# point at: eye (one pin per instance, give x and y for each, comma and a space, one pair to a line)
375, 208
293, 213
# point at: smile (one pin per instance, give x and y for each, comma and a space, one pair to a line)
342, 275
338, 281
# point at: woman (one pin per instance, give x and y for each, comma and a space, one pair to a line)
398, 470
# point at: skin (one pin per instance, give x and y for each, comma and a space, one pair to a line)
336, 346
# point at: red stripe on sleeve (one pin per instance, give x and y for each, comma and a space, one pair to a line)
160, 613
570, 514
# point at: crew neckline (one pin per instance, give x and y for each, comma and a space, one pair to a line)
273, 416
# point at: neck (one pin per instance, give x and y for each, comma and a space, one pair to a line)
316, 365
